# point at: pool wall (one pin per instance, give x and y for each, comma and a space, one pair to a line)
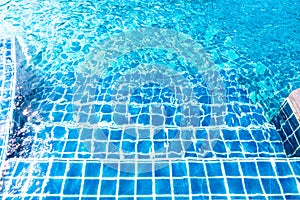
287, 123
8, 67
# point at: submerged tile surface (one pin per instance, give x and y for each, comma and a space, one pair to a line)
94, 121
156, 149
96, 118
219, 178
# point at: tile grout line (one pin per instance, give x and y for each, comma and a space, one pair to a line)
64, 178
47, 176
135, 178
224, 177
273, 164
206, 177
118, 180
243, 179
153, 179
100, 178
294, 176
171, 180
189, 180
82, 178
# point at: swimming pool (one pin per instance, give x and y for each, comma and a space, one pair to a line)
145, 99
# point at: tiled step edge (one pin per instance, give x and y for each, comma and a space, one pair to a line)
168, 179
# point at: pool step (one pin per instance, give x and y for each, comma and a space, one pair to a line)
256, 178
166, 142
82, 121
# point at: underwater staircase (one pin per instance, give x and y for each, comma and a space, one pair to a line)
74, 153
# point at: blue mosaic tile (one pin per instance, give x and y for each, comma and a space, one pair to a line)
75, 116
162, 186
72, 186
162, 170
196, 169
181, 186
74, 170
253, 186
271, 186
53, 197
245, 135
109, 170
21, 169
129, 189
144, 187
283, 169
235, 186
199, 186
126, 170
33, 189
179, 169
231, 169
265, 169
149, 198
249, 169
108, 187
229, 135
53, 186
217, 186
286, 183
107, 198
213, 169
58, 169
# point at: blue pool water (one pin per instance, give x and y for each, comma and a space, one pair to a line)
260, 39
146, 99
